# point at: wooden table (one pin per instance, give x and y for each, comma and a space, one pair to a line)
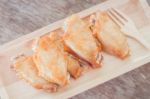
20, 17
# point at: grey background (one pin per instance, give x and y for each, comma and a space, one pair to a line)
148, 2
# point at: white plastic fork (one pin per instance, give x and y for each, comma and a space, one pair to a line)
127, 26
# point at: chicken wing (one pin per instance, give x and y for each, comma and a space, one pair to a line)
51, 62
26, 69
80, 42
110, 36
73, 65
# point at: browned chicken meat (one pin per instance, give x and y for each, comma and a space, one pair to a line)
73, 65
51, 62
26, 69
109, 34
80, 42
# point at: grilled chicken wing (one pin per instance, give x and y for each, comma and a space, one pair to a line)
73, 65
80, 42
50, 61
110, 36
26, 69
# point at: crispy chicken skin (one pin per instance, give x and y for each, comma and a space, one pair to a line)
73, 66
110, 36
80, 42
26, 69
50, 61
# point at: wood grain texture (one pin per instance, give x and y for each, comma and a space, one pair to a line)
20, 17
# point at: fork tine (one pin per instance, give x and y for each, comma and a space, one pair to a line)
114, 19
125, 17
118, 17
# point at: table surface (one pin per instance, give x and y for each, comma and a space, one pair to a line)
20, 17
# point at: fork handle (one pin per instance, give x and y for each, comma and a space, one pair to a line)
133, 33
141, 40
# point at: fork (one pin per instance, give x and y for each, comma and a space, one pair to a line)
127, 26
